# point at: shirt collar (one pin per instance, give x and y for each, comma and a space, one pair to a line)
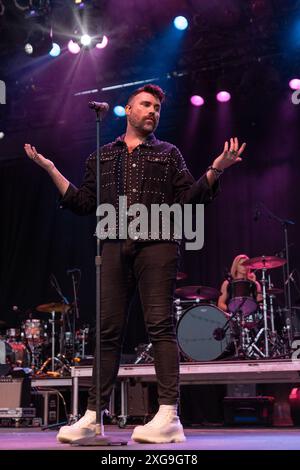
149, 142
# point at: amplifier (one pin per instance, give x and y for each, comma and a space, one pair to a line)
17, 412
15, 392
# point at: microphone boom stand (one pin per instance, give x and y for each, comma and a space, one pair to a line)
287, 286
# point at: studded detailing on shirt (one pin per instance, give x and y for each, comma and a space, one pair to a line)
153, 173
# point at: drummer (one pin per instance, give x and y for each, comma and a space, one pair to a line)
237, 271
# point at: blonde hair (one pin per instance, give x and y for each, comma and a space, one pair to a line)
233, 270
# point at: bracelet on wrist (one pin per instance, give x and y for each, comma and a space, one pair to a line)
216, 172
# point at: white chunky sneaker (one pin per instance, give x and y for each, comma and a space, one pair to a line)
164, 427
84, 428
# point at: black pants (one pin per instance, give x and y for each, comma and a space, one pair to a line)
152, 267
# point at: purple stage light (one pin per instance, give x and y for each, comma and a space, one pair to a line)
294, 84
197, 100
223, 96
73, 47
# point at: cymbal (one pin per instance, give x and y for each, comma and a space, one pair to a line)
264, 262
181, 276
53, 307
274, 291
197, 292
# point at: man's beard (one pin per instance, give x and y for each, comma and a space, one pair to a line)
142, 127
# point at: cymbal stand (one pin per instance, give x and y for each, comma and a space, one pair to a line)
52, 321
178, 309
271, 297
62, 350
252, 349
75, 284
286, 269
265, 309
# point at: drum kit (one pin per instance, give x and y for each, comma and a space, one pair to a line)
249, 330
44, 344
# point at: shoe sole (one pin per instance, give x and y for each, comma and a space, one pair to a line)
64, 440
73, 440
144, 440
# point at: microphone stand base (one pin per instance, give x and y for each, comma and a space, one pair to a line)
99, 440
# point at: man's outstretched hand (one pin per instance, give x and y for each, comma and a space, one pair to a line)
230, 155
38, 158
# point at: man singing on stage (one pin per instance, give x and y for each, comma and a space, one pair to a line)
147, 171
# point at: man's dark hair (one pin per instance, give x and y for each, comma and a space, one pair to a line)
154, 90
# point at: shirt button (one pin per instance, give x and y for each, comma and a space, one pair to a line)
134, 165
134, 190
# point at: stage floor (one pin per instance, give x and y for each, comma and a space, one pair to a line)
197, 439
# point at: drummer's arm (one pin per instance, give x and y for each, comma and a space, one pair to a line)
223, 297
259, 296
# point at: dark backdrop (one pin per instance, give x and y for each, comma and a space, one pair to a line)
37, 238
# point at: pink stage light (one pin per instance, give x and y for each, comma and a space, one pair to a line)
197, 100
223, 96
73, 47
103, 43
294, 84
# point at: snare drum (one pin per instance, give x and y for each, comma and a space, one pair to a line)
242, 294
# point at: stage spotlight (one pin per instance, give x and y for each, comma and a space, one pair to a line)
38, 41
55, 51
73, 47
119, 111
294, 84
181, 23
28, 48
86, 40
223, 96
197, 100
2, 135
103, 43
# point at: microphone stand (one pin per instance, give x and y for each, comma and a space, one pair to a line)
287, 286
100, 439
220, 333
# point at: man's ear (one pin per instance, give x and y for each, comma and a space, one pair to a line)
127, 108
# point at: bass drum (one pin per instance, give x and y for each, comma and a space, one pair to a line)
200, 334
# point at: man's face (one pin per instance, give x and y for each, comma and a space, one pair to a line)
143, 112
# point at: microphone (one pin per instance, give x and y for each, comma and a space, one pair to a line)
75, 270
290, 278
99, 107
257, 214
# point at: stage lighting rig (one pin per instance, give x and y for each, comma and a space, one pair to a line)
34, 8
